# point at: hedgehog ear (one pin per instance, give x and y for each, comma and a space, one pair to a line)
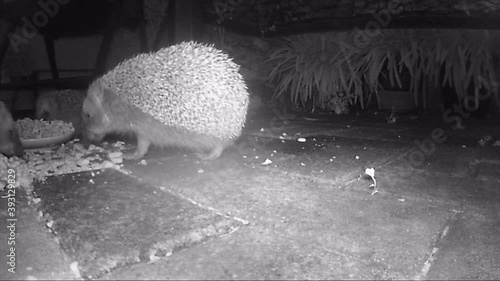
97, 97
96, 92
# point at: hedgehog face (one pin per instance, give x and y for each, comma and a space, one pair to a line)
10, 144
46, 106
95, 120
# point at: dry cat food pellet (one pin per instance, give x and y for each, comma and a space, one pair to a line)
37, 129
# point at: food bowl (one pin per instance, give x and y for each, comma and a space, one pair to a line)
46, 142
41, 133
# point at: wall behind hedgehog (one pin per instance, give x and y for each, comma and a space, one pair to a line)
78, 53
75, 53
71, 53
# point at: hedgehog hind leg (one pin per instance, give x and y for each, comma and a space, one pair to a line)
213, 154
142, 148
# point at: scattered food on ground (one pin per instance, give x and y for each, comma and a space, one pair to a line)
38, 164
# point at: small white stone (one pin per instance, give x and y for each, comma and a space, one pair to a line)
267, 162
115, 154
117, 160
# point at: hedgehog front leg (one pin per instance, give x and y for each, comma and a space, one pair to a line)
142, 148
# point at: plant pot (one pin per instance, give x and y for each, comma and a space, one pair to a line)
400, 101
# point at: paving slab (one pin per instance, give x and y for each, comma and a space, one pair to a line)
470, 250
36, 254
304, 214
298, 228
430, 142
105, 220
332, 159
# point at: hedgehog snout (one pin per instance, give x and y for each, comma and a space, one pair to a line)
12, 150
11, 146
92, 136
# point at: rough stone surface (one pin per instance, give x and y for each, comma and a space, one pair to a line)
111, 220
275, 208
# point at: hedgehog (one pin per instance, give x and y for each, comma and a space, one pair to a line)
65, 105
190, 95
10, 142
